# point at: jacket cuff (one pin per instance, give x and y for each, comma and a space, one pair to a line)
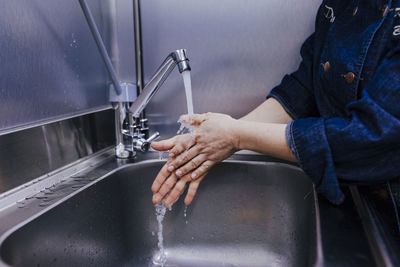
314, 156
289, 139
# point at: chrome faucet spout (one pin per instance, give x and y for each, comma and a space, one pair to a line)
132, 130
177, 57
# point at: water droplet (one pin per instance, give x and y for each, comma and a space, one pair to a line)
162, 155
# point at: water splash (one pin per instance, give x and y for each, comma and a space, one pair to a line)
163, 155
161, 257
185, 213
184, 128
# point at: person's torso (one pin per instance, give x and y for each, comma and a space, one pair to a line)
352, 38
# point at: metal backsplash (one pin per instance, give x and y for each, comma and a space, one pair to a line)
239, 50
123, 42
50, 66
30, 153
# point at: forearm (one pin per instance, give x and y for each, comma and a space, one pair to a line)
265, 138
270, 111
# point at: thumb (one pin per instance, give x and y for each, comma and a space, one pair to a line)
164, 144
194, 119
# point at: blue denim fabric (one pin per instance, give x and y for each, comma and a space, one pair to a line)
347, 129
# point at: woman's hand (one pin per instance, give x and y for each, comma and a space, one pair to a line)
192, 155
215, 137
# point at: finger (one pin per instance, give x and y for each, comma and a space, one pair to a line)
175, 192
165, 189
194, 119
183, 159
191, 165
184, 143
164, 144
191, 193
160, 178
202, 169
167, 186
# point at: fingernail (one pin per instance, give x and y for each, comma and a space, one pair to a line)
194, 175
171, 155
171, 168
179, 172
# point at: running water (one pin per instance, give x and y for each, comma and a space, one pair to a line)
188, 90
161, 257
189, 100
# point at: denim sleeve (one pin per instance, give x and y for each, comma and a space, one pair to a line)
289, 139
295, 93
364, 145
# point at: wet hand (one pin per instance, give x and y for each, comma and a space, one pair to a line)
167, 184
191, 156
173, 188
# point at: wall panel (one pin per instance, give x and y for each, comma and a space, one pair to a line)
50, 67
239, 50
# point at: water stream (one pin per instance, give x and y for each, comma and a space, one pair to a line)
189, 101
188, 91
160, 258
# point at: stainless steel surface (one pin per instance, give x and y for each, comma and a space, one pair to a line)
128, 93
123, 131
28, 154
344, 241
123, 52
378, 246
178, 57
49, 180
239, 51
100, 45
245, 214
51, 67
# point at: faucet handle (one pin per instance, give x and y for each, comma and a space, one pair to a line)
143, 145
153, 137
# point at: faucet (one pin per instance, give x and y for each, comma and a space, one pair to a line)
131, 129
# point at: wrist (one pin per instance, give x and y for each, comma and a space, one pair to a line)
237, 134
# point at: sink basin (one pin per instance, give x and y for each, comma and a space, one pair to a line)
245, 214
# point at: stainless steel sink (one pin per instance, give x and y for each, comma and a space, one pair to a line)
245, 214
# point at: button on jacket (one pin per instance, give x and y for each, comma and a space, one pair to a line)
345, 96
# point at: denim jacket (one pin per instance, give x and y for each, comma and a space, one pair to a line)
345, 96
